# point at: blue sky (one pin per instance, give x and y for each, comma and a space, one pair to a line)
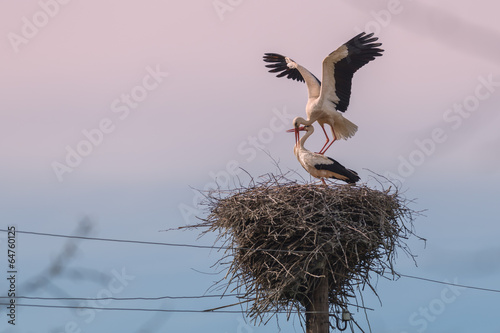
118, 112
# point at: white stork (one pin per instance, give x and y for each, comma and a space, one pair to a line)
327, 98
319, 165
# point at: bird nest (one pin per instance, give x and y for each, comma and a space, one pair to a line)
283, 236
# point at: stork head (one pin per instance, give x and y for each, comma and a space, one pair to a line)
297, 121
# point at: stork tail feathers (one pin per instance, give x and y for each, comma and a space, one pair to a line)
352, 176
344, 128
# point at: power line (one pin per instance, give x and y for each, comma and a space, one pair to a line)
138, 298
138, 309
450, 283
153, 243
122, 309
117, 298
113, 239
216, 296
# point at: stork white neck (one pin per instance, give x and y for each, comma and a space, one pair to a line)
300, 143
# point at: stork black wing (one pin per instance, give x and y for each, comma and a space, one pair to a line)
279, 65
361, 50
338, 169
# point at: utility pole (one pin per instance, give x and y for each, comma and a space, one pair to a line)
317, 310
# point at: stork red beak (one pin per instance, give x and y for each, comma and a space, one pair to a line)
297, 132
301, 128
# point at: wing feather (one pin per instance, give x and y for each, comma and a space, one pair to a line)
340, 66
286, 67
338, 171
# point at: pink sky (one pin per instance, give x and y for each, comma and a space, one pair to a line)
64, 79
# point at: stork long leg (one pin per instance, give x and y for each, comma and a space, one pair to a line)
323, 150
323, 180
327, 140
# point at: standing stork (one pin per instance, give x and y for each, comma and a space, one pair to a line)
319, 165
326, 99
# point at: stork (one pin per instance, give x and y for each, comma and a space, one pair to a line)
319, 165
326, 100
